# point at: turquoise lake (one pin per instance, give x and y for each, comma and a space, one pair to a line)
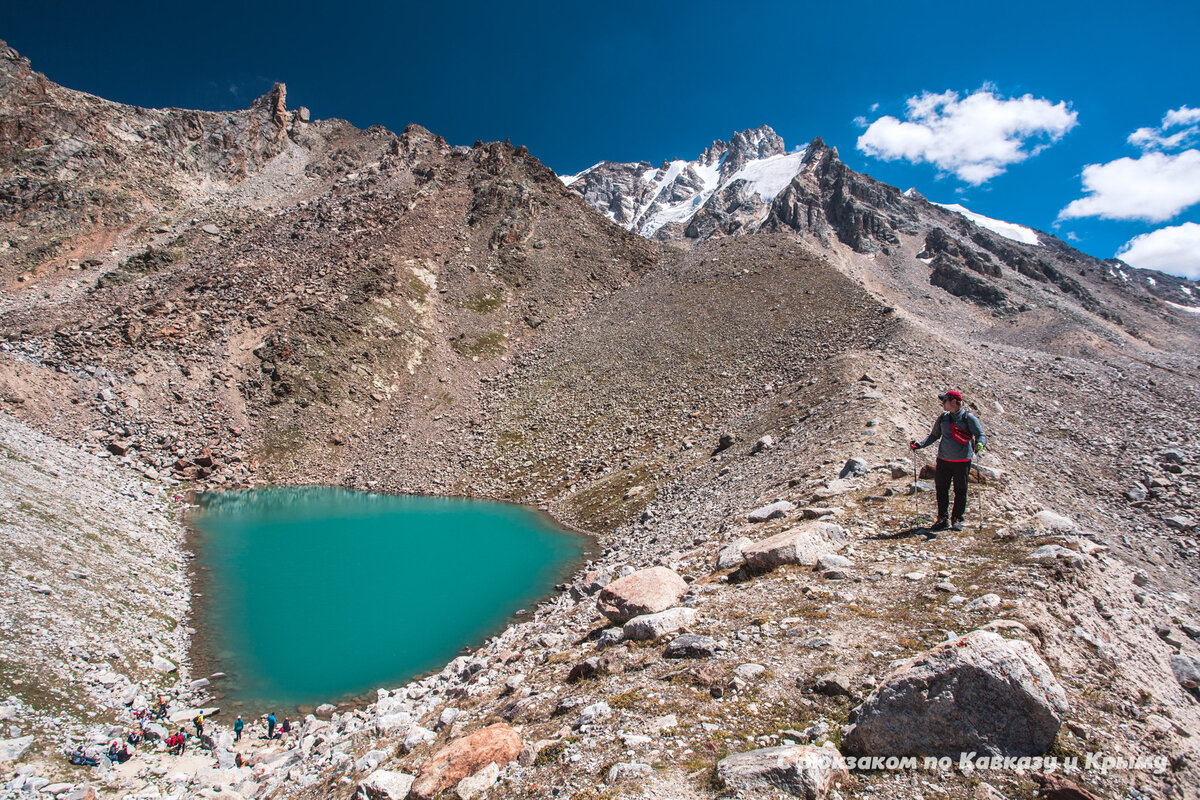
311, 595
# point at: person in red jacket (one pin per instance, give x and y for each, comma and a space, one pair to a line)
961, 437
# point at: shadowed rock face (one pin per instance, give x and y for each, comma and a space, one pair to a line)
980, 693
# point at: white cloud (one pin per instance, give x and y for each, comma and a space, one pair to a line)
1175, 250
976, 137
1153, 187
1186, 120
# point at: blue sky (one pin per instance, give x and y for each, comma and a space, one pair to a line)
582, 82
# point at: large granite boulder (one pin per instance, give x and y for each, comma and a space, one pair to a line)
646, 591
980, 692
803, 544
496, 744
799, 770
651, 626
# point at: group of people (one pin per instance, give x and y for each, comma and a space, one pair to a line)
118, 752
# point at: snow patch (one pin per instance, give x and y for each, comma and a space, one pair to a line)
1009, 230
710, 181
1186, 290
569, 179
1189, 309
767, 177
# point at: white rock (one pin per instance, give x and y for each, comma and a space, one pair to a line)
594, 712
800, 545
629, 771
749, 671
388, 724
652, 626
987, 602
775, 510
474, 785
416, 737
797, 770
160, 664
731, 554
383, 784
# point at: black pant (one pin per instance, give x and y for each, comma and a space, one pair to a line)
955, 471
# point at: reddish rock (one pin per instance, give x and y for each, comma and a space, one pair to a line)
1056, 787
496, 744
647, 591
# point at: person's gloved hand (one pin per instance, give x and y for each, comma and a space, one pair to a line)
913, 444
978, 447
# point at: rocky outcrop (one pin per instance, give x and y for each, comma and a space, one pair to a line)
799, 545
800, 771
962, 283
978, 693
645, 592
828, 197
496, 744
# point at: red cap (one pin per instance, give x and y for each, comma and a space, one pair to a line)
951, 394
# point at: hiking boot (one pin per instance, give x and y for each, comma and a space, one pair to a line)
941, 525
956, 525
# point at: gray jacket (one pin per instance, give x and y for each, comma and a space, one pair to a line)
950, 450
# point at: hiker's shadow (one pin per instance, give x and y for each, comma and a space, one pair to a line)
908, 533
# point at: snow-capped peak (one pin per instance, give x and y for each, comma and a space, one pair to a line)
644, 199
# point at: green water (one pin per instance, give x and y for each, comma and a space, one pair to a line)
312, 595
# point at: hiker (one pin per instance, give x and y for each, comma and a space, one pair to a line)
961, 437
80, 758
199, 723
237, 729
271, 725
176, 742
285, 728
117, 753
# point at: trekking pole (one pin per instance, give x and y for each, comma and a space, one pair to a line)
916, 503
981, 481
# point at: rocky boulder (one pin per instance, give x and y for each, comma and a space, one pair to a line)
383, 784
647, 591
1186, 670
798, 770
799, 545
776, 510
651, 626
980, 692
731, 554
496, 744
14, 749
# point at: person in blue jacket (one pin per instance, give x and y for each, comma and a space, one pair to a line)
961, 437
271, 725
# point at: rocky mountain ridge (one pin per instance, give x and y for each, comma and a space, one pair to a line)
753, 184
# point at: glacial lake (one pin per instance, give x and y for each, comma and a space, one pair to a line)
309, 595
